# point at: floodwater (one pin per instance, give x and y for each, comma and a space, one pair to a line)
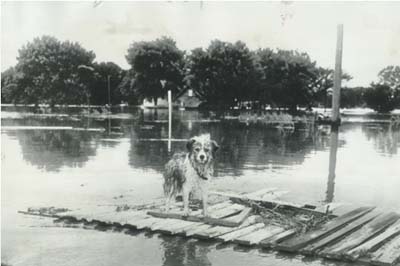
50, 160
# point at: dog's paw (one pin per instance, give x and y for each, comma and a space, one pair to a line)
186, 213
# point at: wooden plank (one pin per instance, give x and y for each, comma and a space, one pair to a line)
116, 217
215, 231
194, 230
215, 220
239, 218
389, 254
274, 195
292, 245
260, 192
368, 231
269, 203
232, 221
235, 197
39, 214
181, 228
212, 221
258, 235
191, 225
184, 226
193, 216
330, 207
147, 223
167, 225
237, 233
164, 226
178, 227
267, 193
348, 229
224, 212
219, 213
275, 239
373, 243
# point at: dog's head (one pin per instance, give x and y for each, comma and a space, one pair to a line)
202, 148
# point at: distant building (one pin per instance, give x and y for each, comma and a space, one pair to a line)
184, 99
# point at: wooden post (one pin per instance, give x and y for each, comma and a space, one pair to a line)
330, 191
169, 119
337, 77
335, 120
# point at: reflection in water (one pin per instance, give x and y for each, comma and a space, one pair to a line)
242, 146
332, 163
386, 137
178, 251
288, 159
52, 149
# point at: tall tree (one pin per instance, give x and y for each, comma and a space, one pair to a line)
104, 72
50, 71
287, 78
382, 98
126, 89
9, 86
390, 75
223, 74
323, 81
385, 96
154, 61
352, 97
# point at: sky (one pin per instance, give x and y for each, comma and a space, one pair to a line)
371, 29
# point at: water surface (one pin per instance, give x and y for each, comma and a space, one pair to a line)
49, 160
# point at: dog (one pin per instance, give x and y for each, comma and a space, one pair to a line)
190, 172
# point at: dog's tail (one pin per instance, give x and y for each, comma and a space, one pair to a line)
173, 180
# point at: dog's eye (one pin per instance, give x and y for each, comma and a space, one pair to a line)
197, 149
206, 150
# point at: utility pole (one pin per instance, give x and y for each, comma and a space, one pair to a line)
109, 92
337, 77
335, 122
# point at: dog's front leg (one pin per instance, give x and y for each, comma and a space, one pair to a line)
205, 204
168, 203
204, 197
185, 195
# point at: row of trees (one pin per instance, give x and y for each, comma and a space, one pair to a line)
52, 72
223, 75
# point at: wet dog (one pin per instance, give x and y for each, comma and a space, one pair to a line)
190, 172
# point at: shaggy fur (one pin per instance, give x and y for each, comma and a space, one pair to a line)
190, 172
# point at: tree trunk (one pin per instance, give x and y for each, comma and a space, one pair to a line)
155, 100
293, 108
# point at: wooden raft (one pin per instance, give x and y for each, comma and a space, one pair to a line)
362, 234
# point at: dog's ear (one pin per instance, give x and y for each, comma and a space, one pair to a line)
189, 144
215, 146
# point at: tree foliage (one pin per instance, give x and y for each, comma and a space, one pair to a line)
48, 72
288, 78
385, 96
9, 90
99, 86
153, 61
390, 76
222, 74
127, 90
324, 81
352, 97
382, 98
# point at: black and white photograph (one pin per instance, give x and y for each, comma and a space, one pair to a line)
200, 133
